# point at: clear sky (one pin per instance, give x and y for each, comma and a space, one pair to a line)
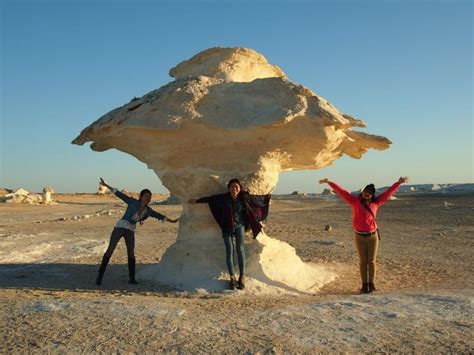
404, 67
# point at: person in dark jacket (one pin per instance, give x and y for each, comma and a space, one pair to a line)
137, 211
235, 212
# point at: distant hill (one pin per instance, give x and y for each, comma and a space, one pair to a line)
404, 190
433, 188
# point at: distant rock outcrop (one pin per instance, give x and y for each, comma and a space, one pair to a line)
24, 196
434, 188
172, 200
47, 194
328, 192
5, 191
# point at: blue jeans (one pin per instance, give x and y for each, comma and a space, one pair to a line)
239, 234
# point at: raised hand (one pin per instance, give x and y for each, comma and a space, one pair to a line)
102, 182
324, 181
403, 179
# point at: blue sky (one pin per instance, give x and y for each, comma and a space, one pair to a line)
404, 67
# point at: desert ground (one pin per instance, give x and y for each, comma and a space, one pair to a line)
49, 257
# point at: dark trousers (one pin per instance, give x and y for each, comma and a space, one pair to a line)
129, 237
239, 234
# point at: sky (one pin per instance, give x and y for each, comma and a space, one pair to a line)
404, 67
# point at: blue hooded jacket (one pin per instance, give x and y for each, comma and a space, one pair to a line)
132, 208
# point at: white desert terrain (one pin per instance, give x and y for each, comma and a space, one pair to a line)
229, 113
49, 256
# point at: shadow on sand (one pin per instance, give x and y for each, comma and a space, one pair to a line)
105, 203
73, 277
77, 277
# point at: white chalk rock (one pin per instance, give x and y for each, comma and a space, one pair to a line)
33, 198
17, 196
228, 64
229, 113
47, 195
103, 190
21, 192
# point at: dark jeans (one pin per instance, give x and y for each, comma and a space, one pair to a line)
239, 234
129, 237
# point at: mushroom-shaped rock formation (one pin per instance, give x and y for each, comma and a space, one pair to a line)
229, 114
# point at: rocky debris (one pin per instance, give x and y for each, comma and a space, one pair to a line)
108, 212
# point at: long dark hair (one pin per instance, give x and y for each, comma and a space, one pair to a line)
144, 191
234, 181
369, 188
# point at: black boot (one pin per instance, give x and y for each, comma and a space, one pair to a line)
232, 282
241, 284
365, 288
131, 271
372, 287
103, 266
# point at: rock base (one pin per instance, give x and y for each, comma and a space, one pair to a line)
272, 267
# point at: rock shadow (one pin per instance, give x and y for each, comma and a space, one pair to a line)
74, 277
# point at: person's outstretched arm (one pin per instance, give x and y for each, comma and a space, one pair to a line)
160, 216
116, 192
384, 196
205, 199
344, 194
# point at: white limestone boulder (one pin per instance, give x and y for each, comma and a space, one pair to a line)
103, 190
47, 195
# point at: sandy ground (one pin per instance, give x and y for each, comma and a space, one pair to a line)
49, 256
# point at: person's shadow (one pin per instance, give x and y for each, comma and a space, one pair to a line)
75, 277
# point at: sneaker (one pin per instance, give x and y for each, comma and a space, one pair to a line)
241, 284
232, 283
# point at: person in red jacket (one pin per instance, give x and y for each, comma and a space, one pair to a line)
364, 212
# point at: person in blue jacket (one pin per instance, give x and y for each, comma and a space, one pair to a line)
137, 211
